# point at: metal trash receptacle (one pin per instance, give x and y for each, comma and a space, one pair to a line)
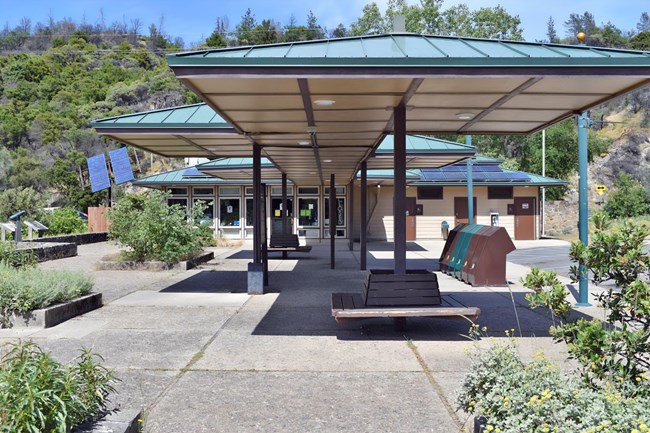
444, 230
487, 266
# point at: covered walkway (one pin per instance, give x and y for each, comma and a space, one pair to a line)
199, 354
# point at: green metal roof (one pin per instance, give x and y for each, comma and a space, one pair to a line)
421, 144
187, 116
175, 177
234, 163
535, 180
388, 174
411, 50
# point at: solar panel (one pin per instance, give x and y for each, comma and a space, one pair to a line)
193, 172
480, 173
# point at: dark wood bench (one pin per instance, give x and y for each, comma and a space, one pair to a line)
398, 296
286, 243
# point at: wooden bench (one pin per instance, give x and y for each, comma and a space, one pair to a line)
286, 243
399, 296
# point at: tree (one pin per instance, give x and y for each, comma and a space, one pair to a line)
431, 16
15, 199
264, 33
580, 23
339, 32
627, 199
496, 23
457, 21
244, 30
218, 37
370, 22
411, 13
640, 41
313, 26
644, 23
551, 34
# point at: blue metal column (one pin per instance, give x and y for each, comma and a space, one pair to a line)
470, 185
583, 213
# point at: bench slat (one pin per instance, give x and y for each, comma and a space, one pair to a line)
378, 278
337, 302
411, 285
402, 293
388, 302
470, 312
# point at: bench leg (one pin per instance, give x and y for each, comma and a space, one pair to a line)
285, 255
400, 324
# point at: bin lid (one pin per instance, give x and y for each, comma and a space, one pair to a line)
444, 225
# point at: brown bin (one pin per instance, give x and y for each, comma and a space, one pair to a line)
476, 244
449, 248
487, 266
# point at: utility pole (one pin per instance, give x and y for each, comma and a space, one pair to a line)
543, 188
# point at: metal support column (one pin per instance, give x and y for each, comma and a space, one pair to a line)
583, 211
470, 185
351, 214
333, 217
256, 268
285, 211
399, 199
363, 230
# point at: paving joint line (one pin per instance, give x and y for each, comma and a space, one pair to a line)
193, 360
436, 386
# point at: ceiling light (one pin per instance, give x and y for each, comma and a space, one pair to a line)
327, 160
304, 143
465, 116
324, 102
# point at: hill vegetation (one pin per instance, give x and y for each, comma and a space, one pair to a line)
56, 77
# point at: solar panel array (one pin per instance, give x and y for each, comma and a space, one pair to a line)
480, 173
193, 172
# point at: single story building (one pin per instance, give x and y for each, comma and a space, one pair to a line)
501, 197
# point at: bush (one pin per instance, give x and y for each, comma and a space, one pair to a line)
153, 230
23, 290
15, 258
66, 221
627, 199
38, 394
516, 396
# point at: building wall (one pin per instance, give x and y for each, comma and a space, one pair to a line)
380, 226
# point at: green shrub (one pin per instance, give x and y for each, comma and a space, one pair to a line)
38, 394
23, 290
15, 258
153, 230
627, 199
536, 397
66, 221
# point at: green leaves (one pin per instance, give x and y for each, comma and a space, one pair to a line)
153, 230
40, 395
628, 199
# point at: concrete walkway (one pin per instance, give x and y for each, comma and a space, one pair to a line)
200, 355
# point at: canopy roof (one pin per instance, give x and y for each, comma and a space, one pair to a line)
332, 100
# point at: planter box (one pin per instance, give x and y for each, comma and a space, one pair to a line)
55, 314
115, 422
78, 239
154, 266
45, 251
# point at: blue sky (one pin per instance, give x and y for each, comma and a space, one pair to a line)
193, 20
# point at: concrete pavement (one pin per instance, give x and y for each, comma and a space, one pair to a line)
200, 355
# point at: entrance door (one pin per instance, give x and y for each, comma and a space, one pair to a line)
276, 214
525, 218
461, 211
410, 219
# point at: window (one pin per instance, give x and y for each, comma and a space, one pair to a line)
340, 211
177, 191
276, 191
249, 212
203, 191
430, 193
182, 202
307, 190
340, 190
208, 212
248, 190
308, 212
229, 191
499, 192
229, 212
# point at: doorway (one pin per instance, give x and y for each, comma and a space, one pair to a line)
525, 218
461, 211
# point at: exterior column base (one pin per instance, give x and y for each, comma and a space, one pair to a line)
255, 278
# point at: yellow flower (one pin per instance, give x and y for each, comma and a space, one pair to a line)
643, 427
489, 427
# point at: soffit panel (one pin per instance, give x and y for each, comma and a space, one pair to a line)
377, 114
583, 84
257, 102
566, 102
456, 101
358, 101
471, 85
268, 116
524, 115
262, 127
514, 127
324, 86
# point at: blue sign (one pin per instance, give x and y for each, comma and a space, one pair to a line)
98, 173
121, 165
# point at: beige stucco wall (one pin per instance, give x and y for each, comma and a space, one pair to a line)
436, 211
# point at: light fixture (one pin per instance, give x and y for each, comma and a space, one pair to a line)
324, 102
327, 160
304, 143
465, 116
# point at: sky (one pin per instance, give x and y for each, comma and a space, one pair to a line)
194, 20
